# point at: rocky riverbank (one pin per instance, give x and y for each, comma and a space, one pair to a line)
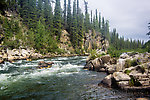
19, 54
131, 71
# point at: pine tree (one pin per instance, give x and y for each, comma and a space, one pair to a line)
48, 15
96, 22
100, 22
74, 34
149, 29
40, 8
87, 21
32, 14
80, 30
65, 11
57, 19
103, 26
91, 17
69, 17
107, 30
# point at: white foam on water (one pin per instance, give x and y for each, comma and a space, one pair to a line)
4, 77
5, 66
19, 61
57, 69
29, 65
62, 58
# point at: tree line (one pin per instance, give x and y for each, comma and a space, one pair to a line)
45, 24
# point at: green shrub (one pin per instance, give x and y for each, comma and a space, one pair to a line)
127, 63
113, 52
134, 62
134, 82
127, 72
94, 55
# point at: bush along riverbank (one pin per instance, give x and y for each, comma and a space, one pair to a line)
131, 71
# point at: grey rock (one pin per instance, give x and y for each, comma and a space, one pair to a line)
107, 80
124, 56
120, 76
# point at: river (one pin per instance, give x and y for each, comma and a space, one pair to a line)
65, 80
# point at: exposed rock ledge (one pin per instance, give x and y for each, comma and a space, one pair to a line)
19, 54
130, 72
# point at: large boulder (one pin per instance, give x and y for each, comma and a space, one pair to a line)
124, 56
10, 57
89, 66
107, 80
111, 69
16, 52
120, 76
24, 53
97, 63
1, 61
123, 84
113, 61
120, 64
4, 56
10, 52
105, 59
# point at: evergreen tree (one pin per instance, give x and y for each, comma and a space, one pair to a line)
96, 22
107, 30
65, 13
100, 22
57, 19
91, 17
103, 26
69, 16
87, 21
149, 29
24, 8
48, 15
74, 26
32, 17
40, 8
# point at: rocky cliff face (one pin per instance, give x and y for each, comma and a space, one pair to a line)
95, 40
92, 40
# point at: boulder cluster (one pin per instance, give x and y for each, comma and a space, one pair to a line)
131, 71
18, 54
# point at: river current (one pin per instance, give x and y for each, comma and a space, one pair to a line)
65, 80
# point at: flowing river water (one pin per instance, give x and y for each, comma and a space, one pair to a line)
65, 80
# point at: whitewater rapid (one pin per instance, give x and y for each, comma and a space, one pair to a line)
65, 80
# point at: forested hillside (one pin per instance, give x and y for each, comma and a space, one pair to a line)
36, 24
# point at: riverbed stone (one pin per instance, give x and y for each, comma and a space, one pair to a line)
1, 61
110, 69
105, 59
124, 56
122, 84
107, 80
120, 76
97, 63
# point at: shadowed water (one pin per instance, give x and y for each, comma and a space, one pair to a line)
66, 80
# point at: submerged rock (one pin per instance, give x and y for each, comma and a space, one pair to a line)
43, 64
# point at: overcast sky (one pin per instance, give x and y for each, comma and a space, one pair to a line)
129, 17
